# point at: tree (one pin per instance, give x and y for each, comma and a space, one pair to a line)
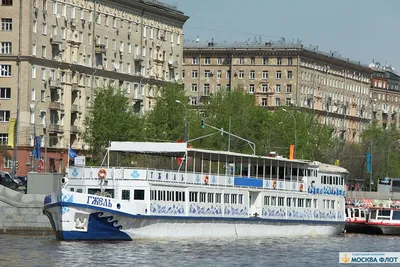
111, 118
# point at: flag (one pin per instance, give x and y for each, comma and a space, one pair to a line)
38, 142
368, 161
72, 153
11, 132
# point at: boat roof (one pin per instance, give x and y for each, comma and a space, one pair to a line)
179, 149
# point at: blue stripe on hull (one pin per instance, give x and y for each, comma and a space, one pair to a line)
79, 236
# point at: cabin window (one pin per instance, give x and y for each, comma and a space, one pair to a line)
288, 201
362, 214
218, 198
233, 199
372, 214
273, 201
71, 189
281, 201
94, 191
308, 203
341, 180
138, 194
180, 196
294, 202
300, 202
294, 171
202, 197
357, 213
324, 203
240, 199
333, 204
396, 215
79, 190
126, 195
193, 196
266, 200
324, 180
315, 203
309, 173
210, 197
226, 198
384, 214
346, 212
153, 194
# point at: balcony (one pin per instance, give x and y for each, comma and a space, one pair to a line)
74, 129
55, 84
54, 105
74, 108
55, 128
56, 40
173, 64
137, 97
138, 57
100, 49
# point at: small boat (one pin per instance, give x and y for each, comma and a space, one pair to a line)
384, 220
356, 218
175, 191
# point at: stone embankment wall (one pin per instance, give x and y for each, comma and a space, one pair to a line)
22, 213
372, 195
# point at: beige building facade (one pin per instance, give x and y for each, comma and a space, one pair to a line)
280, 74
59, 51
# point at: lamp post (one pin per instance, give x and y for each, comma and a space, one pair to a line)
295, 131
33, 108
184, 130
17, 119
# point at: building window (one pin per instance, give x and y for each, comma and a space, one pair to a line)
289, 74
264, 88
241, 61
288, 101
228, 74
6, 47
290, 61
195, 61
33, 72
34, 26
219, 61
241, 74
278, 75
288, 88
277, 88
5, 70
218, 88
8, 162
228, 87
279, 61
193, 101
206, 88
265, 61
5, 93
207, 73
252, 74
219, 74
43, 51
44, 29
265, 75
251, 88
252, 61
6, 2
4, 115
194, 87
207, 61
6, 24
264, 102
3, 139
194, 74
277, 102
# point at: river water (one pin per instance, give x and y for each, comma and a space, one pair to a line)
305, 251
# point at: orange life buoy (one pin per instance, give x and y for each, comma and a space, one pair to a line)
206, 179
301, 187
102, 173
274, 184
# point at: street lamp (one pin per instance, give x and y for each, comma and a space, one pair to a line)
295, 130
184, 131
33, 109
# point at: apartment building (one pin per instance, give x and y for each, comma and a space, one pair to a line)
385, 99
54, 53
283, 74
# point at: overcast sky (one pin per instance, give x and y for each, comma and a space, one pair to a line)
363, 30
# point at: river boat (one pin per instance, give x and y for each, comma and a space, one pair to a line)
384, 220
356, 217
175, 191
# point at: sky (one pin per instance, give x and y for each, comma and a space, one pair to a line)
362, 30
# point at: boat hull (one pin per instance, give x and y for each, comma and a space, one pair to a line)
361, 228
110, 225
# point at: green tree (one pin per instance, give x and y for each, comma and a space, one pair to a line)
111, 118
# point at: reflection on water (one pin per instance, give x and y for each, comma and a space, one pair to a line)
307, 251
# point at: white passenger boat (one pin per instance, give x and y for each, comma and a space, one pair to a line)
187, 192
384, 221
